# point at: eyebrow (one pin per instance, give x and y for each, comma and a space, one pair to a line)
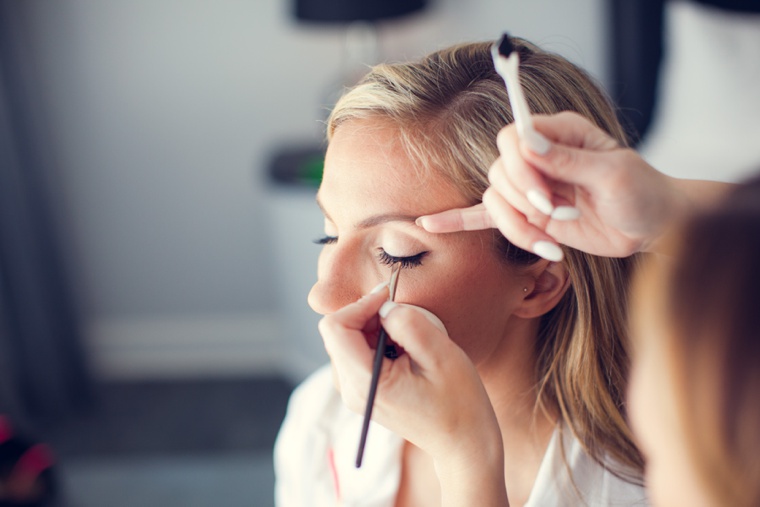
375, 220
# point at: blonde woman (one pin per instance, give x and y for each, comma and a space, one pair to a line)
512, 385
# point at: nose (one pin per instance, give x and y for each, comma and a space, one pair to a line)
338, 281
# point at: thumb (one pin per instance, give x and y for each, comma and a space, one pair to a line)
473, 218
422, 334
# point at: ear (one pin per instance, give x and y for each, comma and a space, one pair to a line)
546, 284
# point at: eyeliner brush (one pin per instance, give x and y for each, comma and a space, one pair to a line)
380, 352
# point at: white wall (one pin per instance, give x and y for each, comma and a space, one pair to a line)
707, 124
163, 114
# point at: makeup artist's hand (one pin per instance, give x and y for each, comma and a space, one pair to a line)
431, 395
585, 191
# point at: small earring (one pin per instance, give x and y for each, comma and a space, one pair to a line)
525, 289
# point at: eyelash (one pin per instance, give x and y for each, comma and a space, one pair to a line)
406, 262
326, 240
383, 257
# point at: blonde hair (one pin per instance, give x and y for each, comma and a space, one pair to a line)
448, 109
706, 297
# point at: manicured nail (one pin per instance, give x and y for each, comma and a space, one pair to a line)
419, 222
433, 318
386, 308
536, 143
548, 251
566, 213
379, 287
540, 201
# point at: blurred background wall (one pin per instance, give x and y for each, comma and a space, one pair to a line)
162, 118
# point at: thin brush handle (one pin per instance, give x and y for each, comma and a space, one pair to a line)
379, 355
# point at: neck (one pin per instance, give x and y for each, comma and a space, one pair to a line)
509, 377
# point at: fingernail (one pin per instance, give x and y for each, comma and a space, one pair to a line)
433, 318
386, 308
540, 201
566, 213
378, 288
548, 251
536, 143
419, 222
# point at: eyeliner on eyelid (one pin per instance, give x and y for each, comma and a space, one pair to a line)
411, 261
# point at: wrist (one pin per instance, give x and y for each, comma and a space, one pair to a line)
687, 196
673, 206
472, 473
481, 483
698, 194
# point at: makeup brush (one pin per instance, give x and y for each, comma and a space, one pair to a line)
380, 353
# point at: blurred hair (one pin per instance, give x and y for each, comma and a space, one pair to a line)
711, 310
448, 109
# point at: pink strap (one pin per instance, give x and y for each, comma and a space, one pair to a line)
34, 461
333, 471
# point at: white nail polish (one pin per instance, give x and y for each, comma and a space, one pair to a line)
540, 201
378, 288
548, 251
566, 213
430, 316
536, 143
386, 308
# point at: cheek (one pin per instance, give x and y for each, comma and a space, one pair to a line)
637, 404
649, 410
472, 301
649, 429
670, 478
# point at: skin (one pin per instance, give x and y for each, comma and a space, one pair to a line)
625, 204
670, 476
371, 195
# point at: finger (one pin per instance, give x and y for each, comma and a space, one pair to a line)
356, 315
527, 179
579, 153
518, 230
473, 218
570, 129
500, 182
420, 332
343, 332
351, 356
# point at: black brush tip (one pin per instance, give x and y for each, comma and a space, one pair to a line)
505, 45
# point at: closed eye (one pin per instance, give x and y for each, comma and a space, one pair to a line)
411, 261
326, 240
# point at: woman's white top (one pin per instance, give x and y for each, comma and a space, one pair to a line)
316, 449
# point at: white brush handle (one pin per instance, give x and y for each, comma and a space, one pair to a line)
508, 69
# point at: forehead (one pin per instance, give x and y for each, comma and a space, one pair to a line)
367, 166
